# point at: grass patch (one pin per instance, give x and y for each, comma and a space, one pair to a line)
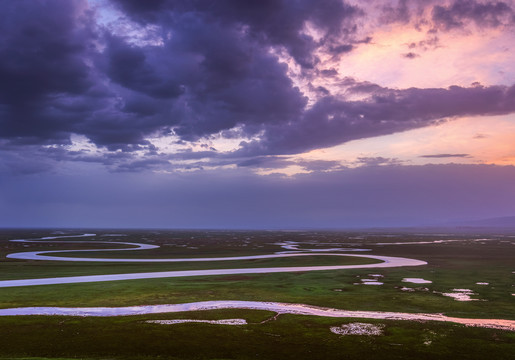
288, 337
12, 270
450, 265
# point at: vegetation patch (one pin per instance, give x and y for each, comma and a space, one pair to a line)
358, 328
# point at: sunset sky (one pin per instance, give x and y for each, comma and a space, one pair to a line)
256, 114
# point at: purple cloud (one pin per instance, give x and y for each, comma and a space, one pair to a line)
332, 121
438, 156
272, 22
213, 73
410, 55
481, 13
41, 63
376, 161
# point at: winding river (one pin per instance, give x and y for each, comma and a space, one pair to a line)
279, 308
387, 261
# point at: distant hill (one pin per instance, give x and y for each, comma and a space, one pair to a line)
507, 222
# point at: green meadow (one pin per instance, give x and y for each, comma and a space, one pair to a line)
451, 265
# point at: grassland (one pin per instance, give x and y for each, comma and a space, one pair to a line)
450, 265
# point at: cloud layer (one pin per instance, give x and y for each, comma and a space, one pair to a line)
230, 69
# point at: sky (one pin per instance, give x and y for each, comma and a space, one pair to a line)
269, 114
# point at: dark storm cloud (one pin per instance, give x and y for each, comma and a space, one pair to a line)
207, 78
142, 8
481, 13
41, 59
332, 121
209, 70
237, 82
127, 65
52, 84
447, 15
275, 22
